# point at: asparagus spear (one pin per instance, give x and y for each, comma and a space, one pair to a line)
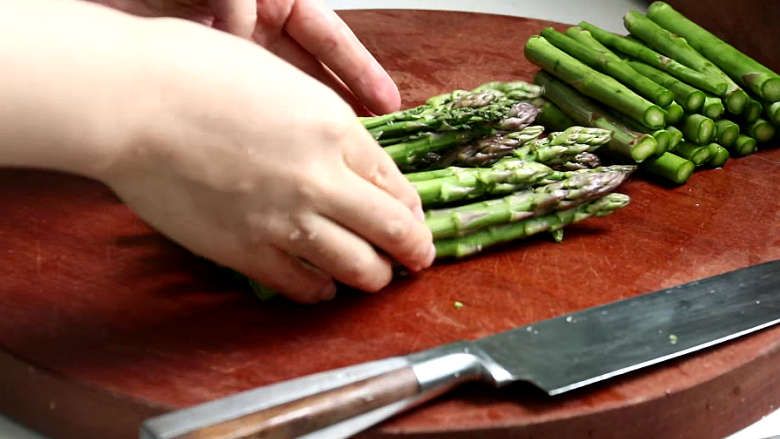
691, 99
582, 161
745, 70
488, 150
676, 137
518, 90
674, 113
771, 111
612, 66
718, 155
424, 150
565, 194
490, 236
728, 132
581, 135
744, 145
592, 83
697, 154
697, 128
752, 111
470, 183
635, 146
761, 130
662, 137
713, 107
670, 166
677, 48
550, 116
648, 56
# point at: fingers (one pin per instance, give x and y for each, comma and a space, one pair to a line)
379, 218
323, 34
368, 160
237, 17
330, 248
278, 270
296, 55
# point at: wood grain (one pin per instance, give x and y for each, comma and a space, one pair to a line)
113, 318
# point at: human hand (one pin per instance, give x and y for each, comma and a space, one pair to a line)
247, 161
306, 33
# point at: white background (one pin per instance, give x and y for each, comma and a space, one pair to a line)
603, 13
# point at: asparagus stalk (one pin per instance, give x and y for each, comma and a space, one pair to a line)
718, 155
592, 83
582, 161
677, 48
728, 132
470, 183
551, 117
518, 90
635, 146
471, 244
676, 137
697, 128
488, 150
662, 137
648, 56
581, 135
670, 166
744, 146
674, 113
562, 195
771, 111
761, 130
697, 154
691, 99
424, 150
713, 107
610, 65
752, 111
745, 70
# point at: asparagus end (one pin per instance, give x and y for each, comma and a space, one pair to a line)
763, 131
771, 89
736, 101
752, 111
727, 135
695, 101
745, 145
719, 156
674, 113
645, 147
665, 98
706, 131
663, 141
655, 117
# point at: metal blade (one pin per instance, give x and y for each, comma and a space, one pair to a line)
575, 350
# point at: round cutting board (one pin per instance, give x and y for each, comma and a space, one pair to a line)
103, 322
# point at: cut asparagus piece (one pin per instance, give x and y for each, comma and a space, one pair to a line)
676, 137
713, 107
662, 137
670, 166
745, 70
470, 183
635, 146
471, 244
744, 145
718, 155
566, 194
592, 83
712, 84
752, 111
674, 113
728, 132
612, 66
691, 99
697, 154
761, 130
675, 47
697, 128
771, 111
551, 117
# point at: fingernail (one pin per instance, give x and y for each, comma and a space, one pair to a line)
329, 292
419, 214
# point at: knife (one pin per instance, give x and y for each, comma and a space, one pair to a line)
556, 355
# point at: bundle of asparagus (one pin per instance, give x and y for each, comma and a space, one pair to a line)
709, 96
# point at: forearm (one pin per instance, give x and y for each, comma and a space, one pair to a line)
70, 84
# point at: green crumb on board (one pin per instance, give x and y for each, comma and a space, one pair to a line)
673, 338
458, 304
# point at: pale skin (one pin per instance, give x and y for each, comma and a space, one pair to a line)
238, 153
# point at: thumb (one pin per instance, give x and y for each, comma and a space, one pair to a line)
237, 17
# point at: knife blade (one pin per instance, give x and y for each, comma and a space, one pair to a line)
556, 355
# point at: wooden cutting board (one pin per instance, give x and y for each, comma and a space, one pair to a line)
103, 322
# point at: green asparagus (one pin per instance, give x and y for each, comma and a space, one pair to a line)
612, 66
471, 244
676, 137
771, 111
674, 113
550, 116
592, 83
752, 111
697, 128
748, 72
565, 194
670, 166
490, 149
635, 146
675, 47
761, 130
697, 154
728, 132
718, 155
713, 107
704, 82
691, 99
745, 145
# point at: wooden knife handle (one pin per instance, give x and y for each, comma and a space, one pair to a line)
312, 413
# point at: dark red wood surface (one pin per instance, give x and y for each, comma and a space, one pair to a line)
104, 322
